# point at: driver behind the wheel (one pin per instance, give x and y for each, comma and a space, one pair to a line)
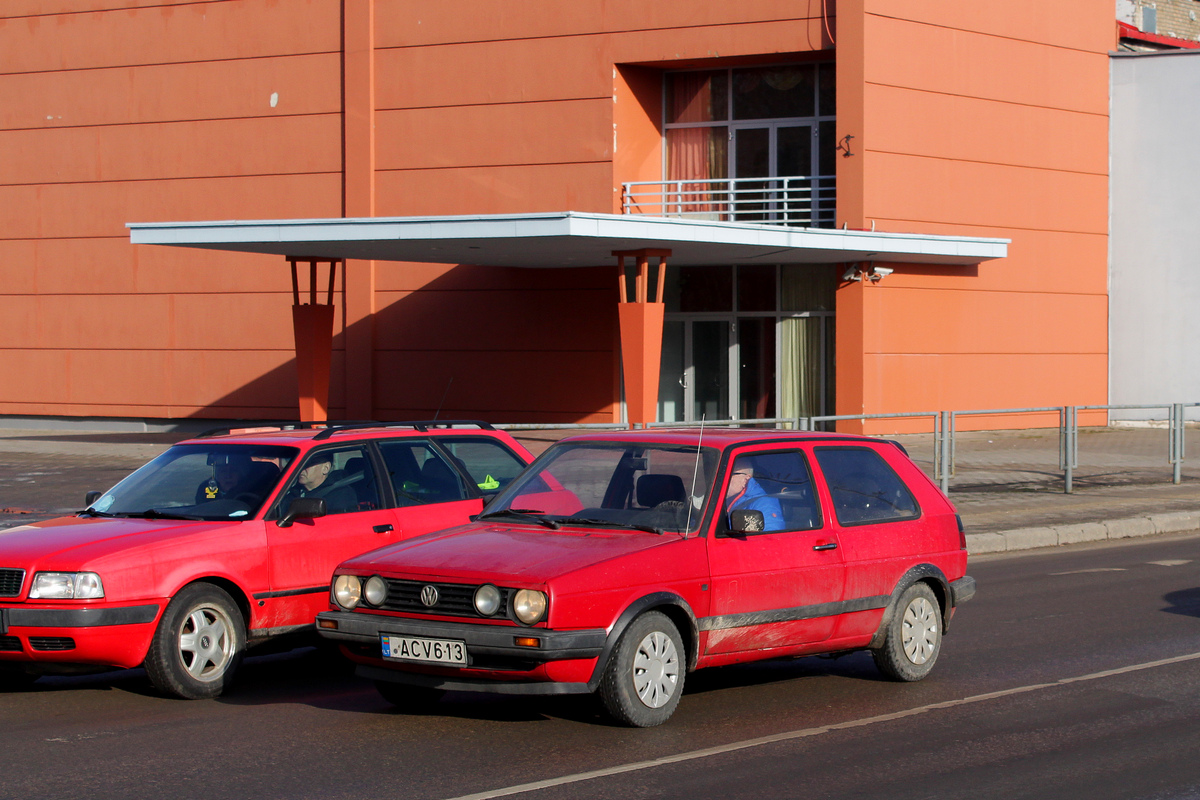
745, 492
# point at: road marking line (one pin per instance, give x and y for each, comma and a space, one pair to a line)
807, 732
1172, 562
1089, 571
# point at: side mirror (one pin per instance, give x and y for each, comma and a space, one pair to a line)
91, 497
302, 508
747, 520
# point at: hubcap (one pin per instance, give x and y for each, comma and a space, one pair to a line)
920, 630
656, 670
206, 643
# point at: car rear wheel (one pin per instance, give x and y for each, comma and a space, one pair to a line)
914, 636
413, 699
199, 643
643, 679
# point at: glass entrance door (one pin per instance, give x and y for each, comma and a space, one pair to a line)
694, 378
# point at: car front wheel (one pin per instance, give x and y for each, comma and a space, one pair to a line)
643, 679
914, 636
198, 645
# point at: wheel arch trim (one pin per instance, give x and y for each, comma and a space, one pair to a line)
921, 573
669, 603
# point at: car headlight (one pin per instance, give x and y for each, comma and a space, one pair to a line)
66, 586
529, 605
347, 591
376, 590
487, 600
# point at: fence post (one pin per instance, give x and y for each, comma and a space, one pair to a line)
1177, 439
1068, 445
943, 423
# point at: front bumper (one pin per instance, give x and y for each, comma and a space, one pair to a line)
113, 636
482, 641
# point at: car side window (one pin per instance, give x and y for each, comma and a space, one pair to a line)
779, 484
491, 465
342, 476
419, 474
864, 487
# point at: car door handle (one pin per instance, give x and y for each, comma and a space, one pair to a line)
827, 546
385, 528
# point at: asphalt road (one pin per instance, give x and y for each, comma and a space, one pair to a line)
1073, 673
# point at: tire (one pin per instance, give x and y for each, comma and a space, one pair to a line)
914, 636
199, 644
413, 699
643, 679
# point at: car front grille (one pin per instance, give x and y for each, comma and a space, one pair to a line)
454, 599
10, 582
53, 643
10, 644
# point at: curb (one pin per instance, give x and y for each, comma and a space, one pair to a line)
1057, 535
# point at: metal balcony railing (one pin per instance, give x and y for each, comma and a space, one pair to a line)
801, 201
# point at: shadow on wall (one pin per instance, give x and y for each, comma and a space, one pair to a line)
499, 344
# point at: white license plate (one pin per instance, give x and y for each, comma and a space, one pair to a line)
430, 651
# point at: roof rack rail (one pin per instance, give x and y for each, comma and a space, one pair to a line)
420, 425
280, 425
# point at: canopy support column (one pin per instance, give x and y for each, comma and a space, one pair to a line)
312, 325
641, 320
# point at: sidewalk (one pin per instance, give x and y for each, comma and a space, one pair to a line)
1007, 486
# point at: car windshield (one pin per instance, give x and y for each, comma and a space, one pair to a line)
652, 487
199, 481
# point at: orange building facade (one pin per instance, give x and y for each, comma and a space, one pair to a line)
947, 120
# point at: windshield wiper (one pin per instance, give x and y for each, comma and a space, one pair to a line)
153, 513
91, 512
527, 514
606, 523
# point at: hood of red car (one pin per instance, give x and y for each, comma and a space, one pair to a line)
494, 552
89, 537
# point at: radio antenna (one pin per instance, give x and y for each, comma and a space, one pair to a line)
445, 391
695, 472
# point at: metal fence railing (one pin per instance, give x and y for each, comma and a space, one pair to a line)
805, 201
943, 426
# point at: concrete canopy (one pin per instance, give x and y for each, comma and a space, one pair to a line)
563, 239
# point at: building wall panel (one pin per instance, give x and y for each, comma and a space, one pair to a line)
166, 151
102, 209
974, 129
205, 90
563, 132
529, 386
976, 63
509, 189
405, 24
166, 34
998, 196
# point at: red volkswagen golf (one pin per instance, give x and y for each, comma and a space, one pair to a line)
230, 540
618, 563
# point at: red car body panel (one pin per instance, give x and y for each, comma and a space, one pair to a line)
733, 597
278, 575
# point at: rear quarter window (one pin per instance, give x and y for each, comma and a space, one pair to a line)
863, 486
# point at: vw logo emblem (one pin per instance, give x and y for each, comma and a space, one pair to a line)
429, 595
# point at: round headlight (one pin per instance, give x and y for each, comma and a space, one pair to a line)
487, 600
529, 605
375, 590
347, 590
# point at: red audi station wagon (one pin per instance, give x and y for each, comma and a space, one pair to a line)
227, 540
618, 563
